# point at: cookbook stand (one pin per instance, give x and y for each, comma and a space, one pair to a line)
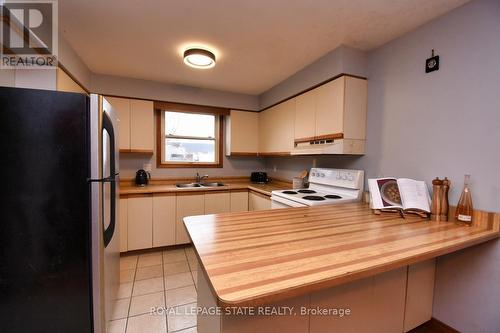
401, 212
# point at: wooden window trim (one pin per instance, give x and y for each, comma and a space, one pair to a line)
182, 107
160, 141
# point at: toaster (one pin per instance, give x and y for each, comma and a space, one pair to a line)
259, 177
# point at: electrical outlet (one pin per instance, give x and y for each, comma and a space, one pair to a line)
275, 168
314, 163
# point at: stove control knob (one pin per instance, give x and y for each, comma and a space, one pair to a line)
351, 178
322, 175
338, 176
344, 177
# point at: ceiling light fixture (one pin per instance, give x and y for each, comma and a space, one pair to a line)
199, 58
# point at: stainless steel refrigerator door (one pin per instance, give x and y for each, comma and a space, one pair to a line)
105, 193
111, 197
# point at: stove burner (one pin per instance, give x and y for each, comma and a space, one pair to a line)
289, 192
306, 191
313, 197
333, 196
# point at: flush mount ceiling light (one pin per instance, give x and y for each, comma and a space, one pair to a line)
199, 58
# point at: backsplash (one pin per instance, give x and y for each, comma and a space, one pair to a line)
289, 167
232, 166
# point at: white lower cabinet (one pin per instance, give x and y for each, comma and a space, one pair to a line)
155, 220
369, 300
187, 205
217, 202
239, 201
164, 207
419, 293
123, 224
257, 201
140, 222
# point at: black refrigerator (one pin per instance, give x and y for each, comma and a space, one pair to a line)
59, 251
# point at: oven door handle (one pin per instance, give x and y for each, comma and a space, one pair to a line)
286, 202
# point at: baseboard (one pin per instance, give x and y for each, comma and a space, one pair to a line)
438, 326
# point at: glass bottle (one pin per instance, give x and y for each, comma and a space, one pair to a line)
464, 207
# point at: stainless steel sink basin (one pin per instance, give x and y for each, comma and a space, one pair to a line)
188, 185
193, 185
212, 184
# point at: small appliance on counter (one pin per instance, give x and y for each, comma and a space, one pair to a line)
142, 177
259, 177
326, 186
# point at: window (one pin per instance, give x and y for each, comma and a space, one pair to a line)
189, 139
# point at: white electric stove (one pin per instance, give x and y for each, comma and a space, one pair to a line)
326, 187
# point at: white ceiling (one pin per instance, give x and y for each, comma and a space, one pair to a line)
258, 43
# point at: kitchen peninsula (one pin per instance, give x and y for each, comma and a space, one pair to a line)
332, 258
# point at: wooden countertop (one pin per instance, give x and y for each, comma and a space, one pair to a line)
264, 256
261, 188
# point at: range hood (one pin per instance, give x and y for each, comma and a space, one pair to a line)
329, 147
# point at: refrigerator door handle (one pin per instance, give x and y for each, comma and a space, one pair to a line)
110, 230
104, 180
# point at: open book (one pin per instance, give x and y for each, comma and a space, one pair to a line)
403, 193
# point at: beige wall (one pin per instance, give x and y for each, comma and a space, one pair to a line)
119, 86
72, 62
340, 60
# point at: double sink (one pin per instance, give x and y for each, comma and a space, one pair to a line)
194, 185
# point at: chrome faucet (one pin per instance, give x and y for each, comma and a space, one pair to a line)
199, 178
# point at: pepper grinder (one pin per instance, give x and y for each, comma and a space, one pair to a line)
444, 199
437, 194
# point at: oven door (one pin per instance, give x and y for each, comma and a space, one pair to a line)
279, 202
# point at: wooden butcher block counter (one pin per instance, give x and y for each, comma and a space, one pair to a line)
260, 257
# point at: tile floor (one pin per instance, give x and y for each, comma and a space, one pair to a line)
156, 279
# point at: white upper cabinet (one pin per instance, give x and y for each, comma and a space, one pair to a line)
330, 108
242, 133
136, 124
355, 108
122, 108
335, 111
333, 114
265, 129
305, 115
141, 126
285, 118
276, 129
